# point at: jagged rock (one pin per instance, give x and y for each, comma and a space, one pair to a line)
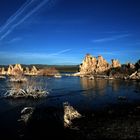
10, 69
131, 66
27, 71
93, 65
15, 70
115, 63
3, 72
69, 114
26, 114
33, 71
102, 65
135, 75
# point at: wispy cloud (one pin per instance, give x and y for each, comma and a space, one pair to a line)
19, 17
60, 52
16, 15
16, 39
110, 38
34, 55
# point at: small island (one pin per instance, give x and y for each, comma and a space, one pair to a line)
93, 67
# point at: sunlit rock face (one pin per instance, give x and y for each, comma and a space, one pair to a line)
2, 71
34, 71
27, 71
102, 65
131, 66
70, 114
15, 70
10, 69
93, 65
88, 65
115, 63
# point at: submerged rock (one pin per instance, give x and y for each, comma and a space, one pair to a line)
122, 98
18, 79
2, 77
26, 114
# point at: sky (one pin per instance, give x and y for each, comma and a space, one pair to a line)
62, 32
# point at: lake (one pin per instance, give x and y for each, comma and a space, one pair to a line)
83, 94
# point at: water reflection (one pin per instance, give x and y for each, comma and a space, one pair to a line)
95, 86
99, 86
111, 88
114, 84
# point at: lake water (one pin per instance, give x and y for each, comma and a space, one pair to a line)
79, 92
83, 94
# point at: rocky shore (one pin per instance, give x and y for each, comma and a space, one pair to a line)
17, 69
115, 122
93, 67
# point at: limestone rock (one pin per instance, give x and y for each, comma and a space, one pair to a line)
15, 70
3, 72
102, 65
27, 71
34, 71
18, 67
135, 75
10, 69
93, 65
70, 114
131, 66
115, 63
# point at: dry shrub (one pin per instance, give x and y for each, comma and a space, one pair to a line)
48, 71
31, 88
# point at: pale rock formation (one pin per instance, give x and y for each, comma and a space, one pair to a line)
27, 71
3, 72
15, 70
34, 71
10, 69
135, 75
88, 65
70, 114
115, 63
131, 66
102, 65
93, 65
18, 67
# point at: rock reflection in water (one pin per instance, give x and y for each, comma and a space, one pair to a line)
114, 84
99, 86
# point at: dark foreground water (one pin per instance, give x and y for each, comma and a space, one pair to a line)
83, 94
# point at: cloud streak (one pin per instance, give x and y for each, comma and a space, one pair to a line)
16, 39
16, 15
112, 38
36, 55
60, 52
15, 21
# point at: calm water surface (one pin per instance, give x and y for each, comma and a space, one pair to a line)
82, 93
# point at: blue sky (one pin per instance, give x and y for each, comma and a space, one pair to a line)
63, 31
